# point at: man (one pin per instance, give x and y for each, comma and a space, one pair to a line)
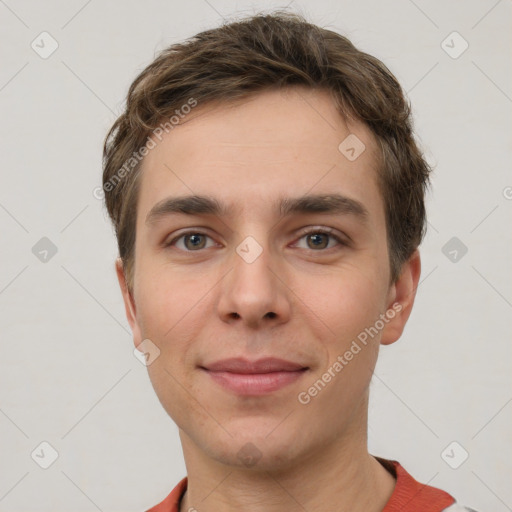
268, 200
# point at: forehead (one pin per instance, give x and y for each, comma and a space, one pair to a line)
247, 154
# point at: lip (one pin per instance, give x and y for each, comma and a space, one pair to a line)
264, 365
254, 378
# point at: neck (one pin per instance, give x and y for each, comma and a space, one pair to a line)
340, 472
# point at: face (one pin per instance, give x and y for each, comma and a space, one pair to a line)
266, 275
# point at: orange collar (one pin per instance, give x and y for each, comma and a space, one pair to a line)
408, 495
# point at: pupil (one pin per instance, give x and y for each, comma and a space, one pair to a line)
195, 240
317, 237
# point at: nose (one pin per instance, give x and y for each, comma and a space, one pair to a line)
254, 292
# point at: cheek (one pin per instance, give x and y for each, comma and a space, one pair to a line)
343, 303
170, 308
349, 310
173, 312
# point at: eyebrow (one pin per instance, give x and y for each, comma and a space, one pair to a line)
313, 203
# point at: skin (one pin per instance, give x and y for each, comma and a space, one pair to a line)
277, 144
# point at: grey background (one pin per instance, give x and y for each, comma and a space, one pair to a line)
68, 375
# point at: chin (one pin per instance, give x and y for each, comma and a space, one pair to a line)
255, 451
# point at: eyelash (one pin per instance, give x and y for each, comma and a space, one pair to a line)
323, 231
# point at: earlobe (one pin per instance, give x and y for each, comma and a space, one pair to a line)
129, 302
403, 299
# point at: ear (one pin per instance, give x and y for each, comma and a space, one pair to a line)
129, 303
401, 299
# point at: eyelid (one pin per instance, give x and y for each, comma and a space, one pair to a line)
340, 237
188, 231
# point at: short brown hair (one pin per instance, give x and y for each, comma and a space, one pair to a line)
263, 52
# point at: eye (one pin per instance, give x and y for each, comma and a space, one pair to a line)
190, 241
320, 238
315, 239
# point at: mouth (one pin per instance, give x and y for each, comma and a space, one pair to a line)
260, 377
